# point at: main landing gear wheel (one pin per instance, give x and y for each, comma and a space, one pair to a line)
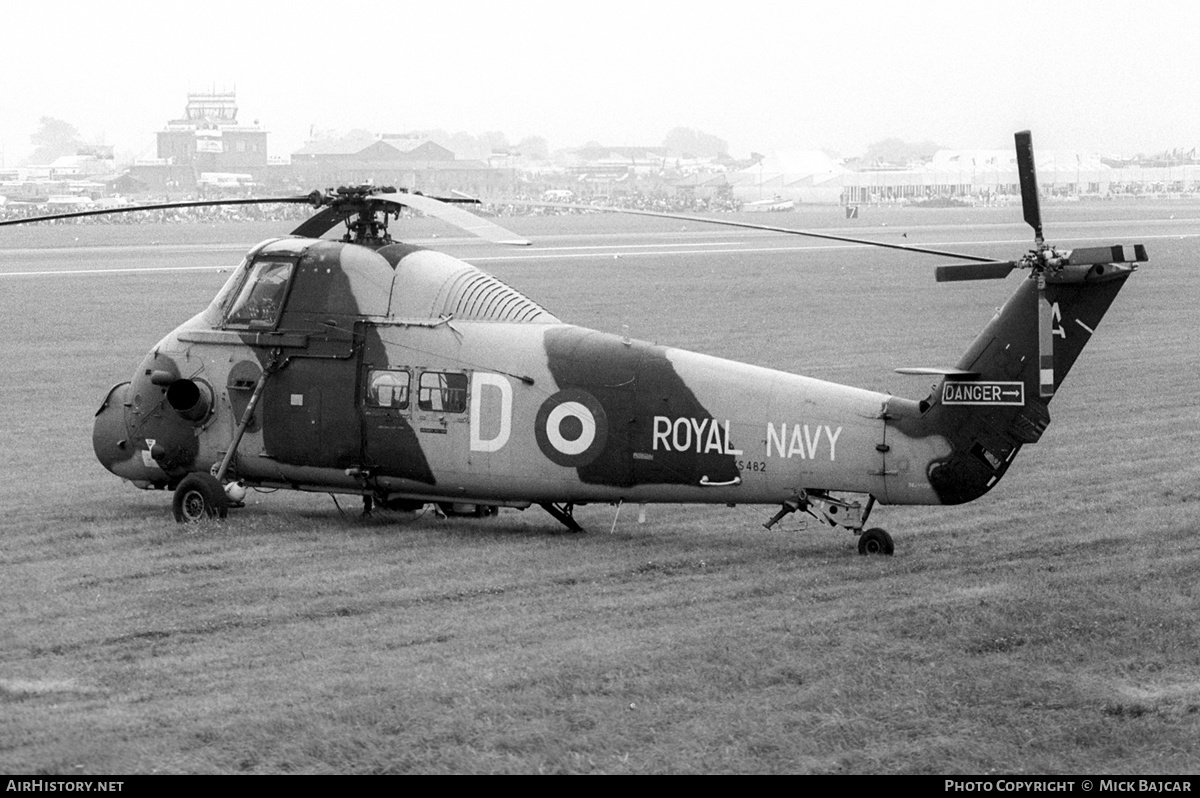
199, 496
875, 541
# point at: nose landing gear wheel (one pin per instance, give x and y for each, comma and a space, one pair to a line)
199, 496
875, 541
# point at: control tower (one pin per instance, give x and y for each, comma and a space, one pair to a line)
209, 138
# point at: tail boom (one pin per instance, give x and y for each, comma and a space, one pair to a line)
980, 421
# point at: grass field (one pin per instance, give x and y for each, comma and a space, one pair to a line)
1049, 627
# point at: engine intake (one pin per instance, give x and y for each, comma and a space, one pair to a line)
192, 400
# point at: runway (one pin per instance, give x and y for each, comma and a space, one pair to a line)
80, 249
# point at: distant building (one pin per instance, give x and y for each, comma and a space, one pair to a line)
598, 161
395, 159
974, 175
209, 138
86, 164
78, 176
605, 170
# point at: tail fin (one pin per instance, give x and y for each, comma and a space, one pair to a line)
988, 416
1007, 349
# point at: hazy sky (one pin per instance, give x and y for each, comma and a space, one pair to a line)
1110, 76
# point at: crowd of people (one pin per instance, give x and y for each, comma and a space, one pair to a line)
642, 201
203, 213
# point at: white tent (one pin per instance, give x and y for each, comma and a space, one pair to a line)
799, 175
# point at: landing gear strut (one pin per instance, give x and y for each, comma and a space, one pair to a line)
565, 515
202, 495
839, 514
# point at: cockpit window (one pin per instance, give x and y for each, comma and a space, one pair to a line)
261, 298
225, 295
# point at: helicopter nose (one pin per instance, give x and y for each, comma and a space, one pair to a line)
109, 431
110, 441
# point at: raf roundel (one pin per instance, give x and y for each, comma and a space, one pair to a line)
571, 428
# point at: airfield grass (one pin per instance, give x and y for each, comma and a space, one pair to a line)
1049, 627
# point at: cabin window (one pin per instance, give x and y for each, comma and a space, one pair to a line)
441, 391
261, 298
388, 389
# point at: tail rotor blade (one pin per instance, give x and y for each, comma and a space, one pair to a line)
974, 271
1029, 188
1045, 342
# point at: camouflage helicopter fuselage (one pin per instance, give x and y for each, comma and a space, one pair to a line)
405, 374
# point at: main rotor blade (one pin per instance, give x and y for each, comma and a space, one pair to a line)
974, 271
156, 207
750, 226
1045, 341
323, 221
1027, 171
456, 216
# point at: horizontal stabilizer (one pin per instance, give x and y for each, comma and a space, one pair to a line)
974, 271
1087, 256
938, 372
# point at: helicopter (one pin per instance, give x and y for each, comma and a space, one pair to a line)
367, 366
